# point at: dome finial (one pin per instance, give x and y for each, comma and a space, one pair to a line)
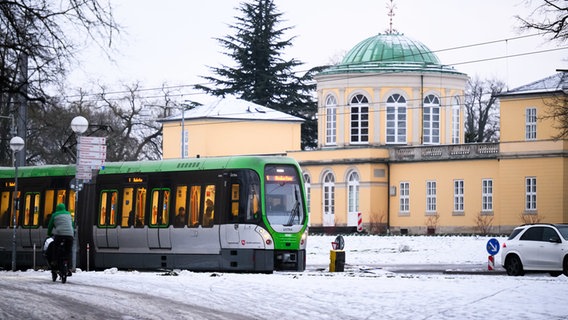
391, 6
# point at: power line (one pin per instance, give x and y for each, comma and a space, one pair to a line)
350, 76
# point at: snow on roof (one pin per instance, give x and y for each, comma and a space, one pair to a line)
556, 82
232, 108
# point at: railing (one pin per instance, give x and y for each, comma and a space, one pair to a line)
445, 152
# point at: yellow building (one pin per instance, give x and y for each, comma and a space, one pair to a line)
391, 154
391, 149
230, 126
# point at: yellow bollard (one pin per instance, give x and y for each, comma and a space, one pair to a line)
337, 260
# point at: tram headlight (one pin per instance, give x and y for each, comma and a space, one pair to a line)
265, 236
304, 238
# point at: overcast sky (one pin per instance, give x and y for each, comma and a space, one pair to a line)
172, 41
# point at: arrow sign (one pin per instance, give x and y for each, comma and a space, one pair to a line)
92, 147
92, 140
92, 155
91, 162
492, 246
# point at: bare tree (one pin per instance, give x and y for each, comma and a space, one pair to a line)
127, 121
550, 17
482, 110
36, 46
484, 223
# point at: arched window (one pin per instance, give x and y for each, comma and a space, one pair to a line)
396, 119
431, 120
353, 193
328, 199
330, 120
307, 187
456, 120
359, 119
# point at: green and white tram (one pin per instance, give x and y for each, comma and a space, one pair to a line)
206, 214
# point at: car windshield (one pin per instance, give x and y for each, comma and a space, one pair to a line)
563, 231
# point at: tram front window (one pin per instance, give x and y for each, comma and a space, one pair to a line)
283, 197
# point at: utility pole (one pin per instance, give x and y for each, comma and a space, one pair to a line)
22, 106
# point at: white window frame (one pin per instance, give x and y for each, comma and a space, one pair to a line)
330, 120
530, 124
459, 190
530, 194
396, 119
431, 120
359, 128
487, 195
328, 193
404, 197
353, 192
456, 120
431, 197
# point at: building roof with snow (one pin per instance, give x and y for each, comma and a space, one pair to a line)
236, 109
555, 83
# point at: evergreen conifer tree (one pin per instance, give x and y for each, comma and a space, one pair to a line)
261, 75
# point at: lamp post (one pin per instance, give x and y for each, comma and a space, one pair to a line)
79, 125
16, 144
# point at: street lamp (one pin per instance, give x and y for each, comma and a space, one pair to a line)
16, 144
79, 125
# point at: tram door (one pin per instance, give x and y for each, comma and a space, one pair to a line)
231, 232
244, 205
106, 232
30, 232
158, 232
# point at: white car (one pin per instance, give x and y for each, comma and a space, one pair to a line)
536, 247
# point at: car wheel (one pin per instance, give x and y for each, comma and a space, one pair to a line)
565, 266
514, 266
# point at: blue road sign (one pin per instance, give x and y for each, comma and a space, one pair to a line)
493, 246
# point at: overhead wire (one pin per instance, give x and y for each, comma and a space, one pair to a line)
97, 95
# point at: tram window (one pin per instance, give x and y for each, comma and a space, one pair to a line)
128, 214
107, 208
180, 218
235, 196
209, 214
140, 211
71, 203
160, 207
17, 210
61, 197
5, 201
48, 205
194, 205
31, 210
253, 205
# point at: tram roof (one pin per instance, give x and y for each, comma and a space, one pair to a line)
190, 164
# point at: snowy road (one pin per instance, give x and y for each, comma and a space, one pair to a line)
362, 292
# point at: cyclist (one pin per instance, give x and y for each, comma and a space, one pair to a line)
61, 226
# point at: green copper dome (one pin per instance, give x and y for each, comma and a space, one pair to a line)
389, 53
392, 47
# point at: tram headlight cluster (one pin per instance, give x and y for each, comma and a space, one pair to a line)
265, 236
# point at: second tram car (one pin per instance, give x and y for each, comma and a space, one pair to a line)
206, 214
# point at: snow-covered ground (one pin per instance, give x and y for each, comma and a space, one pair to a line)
366, 290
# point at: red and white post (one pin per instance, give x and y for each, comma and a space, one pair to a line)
359, 222
491, 263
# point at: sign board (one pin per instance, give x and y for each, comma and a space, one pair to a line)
92, 140
91, 162
493, 246
92, 148
92, 155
